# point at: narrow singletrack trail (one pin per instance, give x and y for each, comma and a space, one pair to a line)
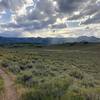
10, 91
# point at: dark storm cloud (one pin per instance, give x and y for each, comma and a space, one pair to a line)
3, 5
95, 19
11, 4
34, 24
69, 6
43, 14
91, 10
46, 13
38, 16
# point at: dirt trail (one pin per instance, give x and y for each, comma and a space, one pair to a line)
10, 91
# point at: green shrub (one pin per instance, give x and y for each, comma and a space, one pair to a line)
79, 93
24, 77
76, 74
51, 90
5, 63
1, 85
14, 68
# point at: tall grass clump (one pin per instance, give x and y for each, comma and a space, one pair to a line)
1, 85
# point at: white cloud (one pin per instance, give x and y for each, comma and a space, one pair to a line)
76, 12
0, 16
87, 30
2, 12
24, 9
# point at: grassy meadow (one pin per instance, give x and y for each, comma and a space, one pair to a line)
59, 72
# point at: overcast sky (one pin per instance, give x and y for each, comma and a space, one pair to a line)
28, 17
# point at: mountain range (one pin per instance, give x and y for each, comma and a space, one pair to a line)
49, 41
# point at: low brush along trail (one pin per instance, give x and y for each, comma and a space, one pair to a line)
9, 89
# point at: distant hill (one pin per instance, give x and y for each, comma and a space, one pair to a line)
48, 41
88, 39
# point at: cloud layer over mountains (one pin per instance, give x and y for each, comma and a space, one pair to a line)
28, 15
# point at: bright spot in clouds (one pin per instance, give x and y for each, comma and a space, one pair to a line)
76, 13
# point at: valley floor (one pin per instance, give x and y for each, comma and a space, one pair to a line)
58, 72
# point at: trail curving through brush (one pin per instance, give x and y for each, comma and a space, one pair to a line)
9, 89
